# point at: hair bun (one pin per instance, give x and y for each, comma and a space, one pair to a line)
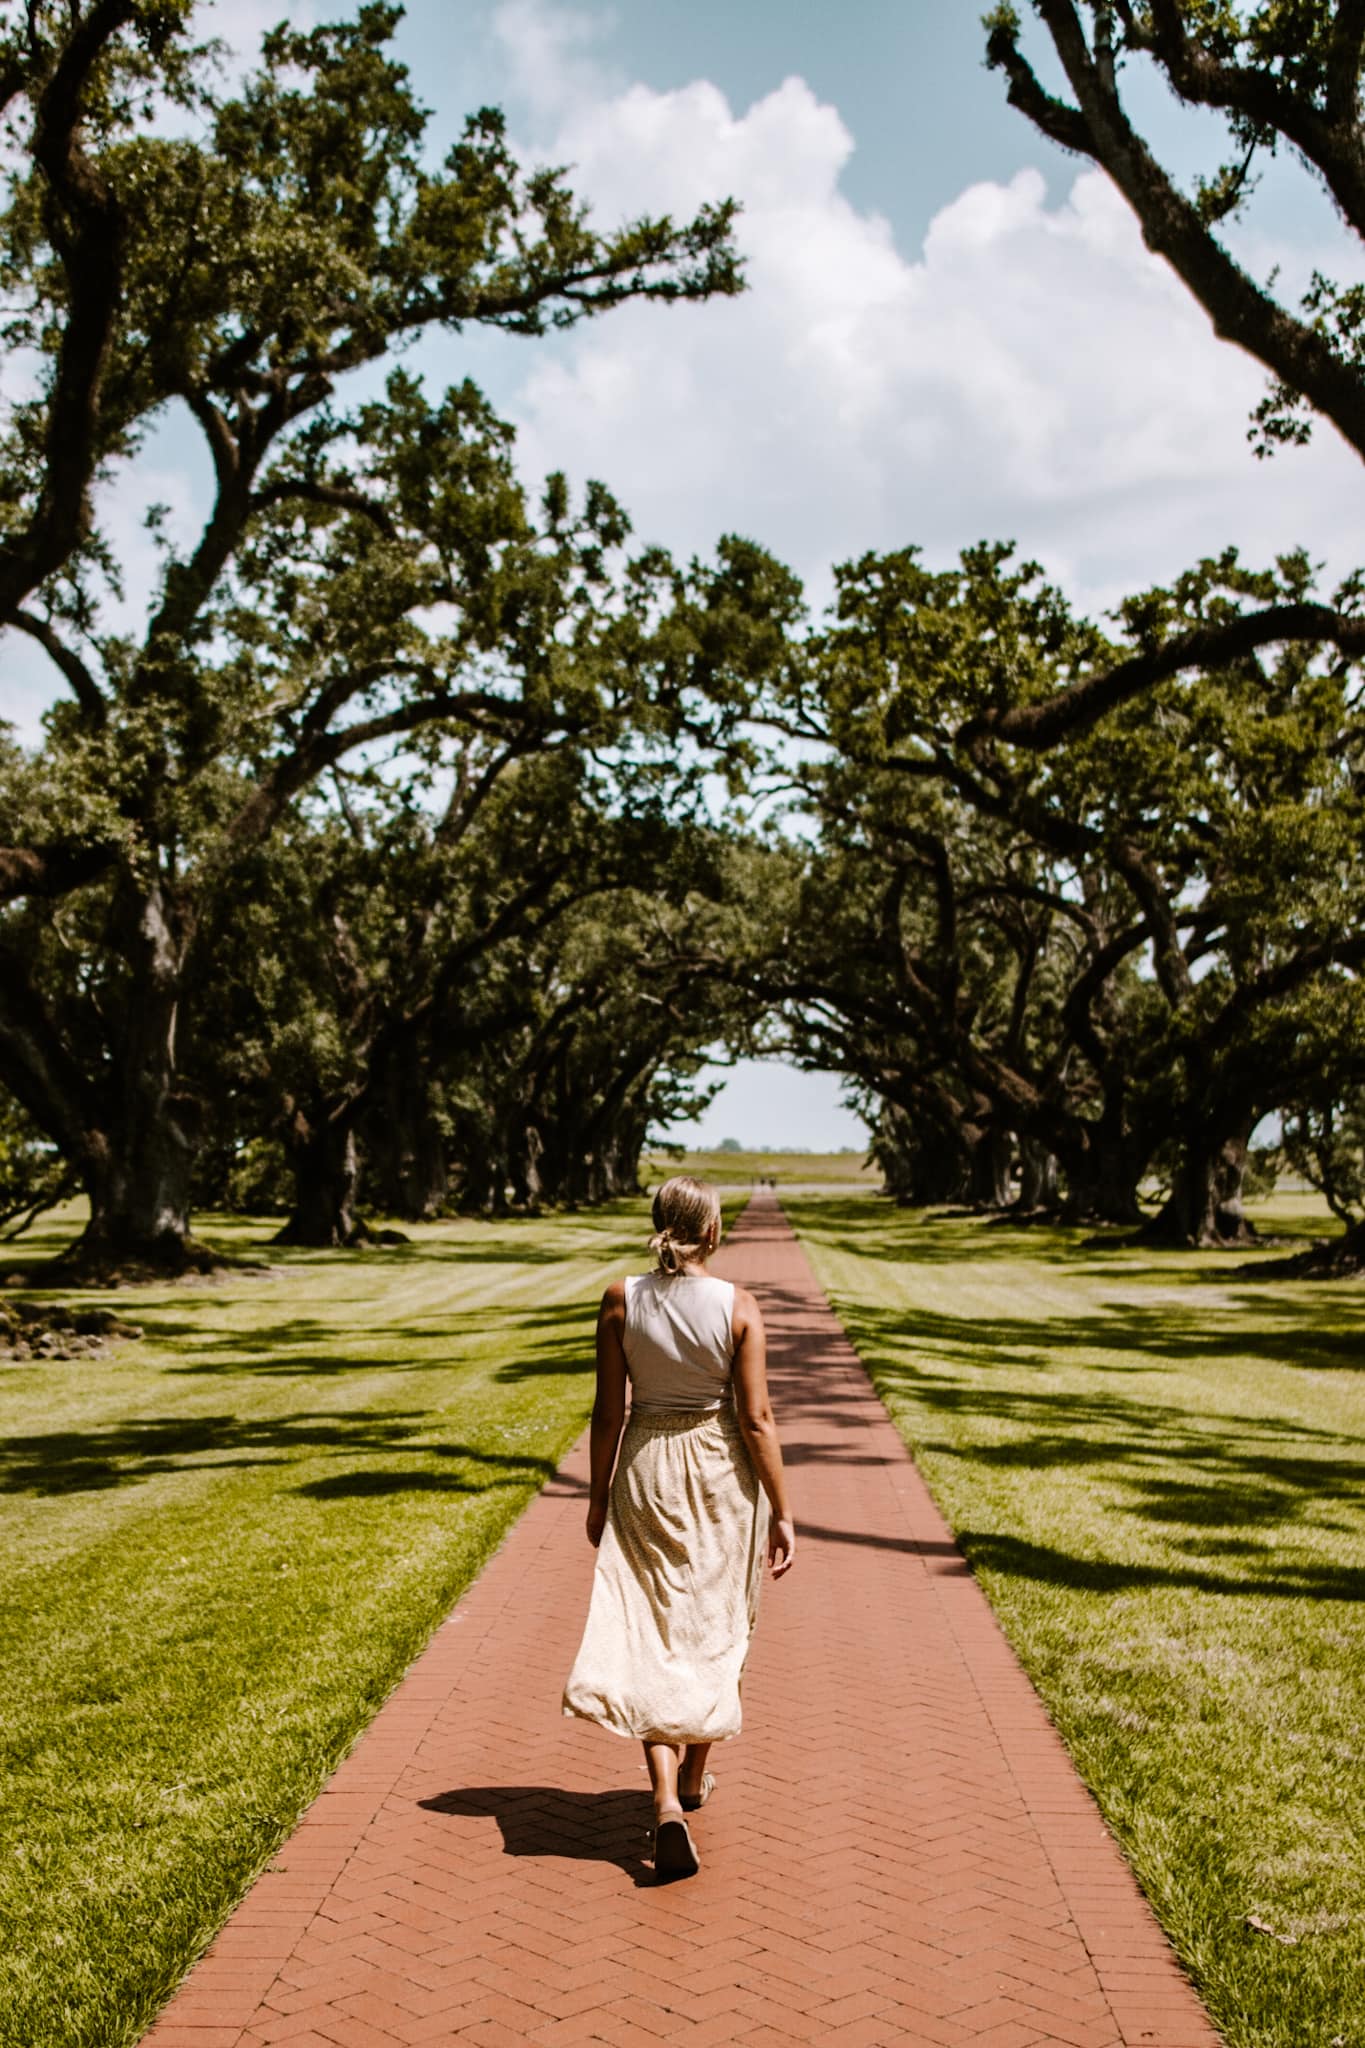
667, 1250
686, 1223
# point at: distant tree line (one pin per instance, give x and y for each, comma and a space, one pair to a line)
385, 874
1060, 956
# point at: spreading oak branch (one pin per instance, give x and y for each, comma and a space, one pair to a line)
1324, 129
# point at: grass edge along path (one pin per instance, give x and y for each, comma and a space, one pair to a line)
1155, 1469
227, 1542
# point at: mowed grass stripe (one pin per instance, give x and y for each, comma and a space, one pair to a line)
1157, 1470
225, 1544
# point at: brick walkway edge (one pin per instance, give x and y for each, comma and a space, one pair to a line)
899, 1849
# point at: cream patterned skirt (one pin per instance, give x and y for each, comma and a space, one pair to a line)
675, 1591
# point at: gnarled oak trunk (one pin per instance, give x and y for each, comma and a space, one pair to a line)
322, 1153
1102, 1181
992, 1156
405, 1147
138, 1182
1038, 1188
1204, 1207
138, 1155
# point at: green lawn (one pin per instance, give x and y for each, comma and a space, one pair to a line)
1157, 1469
225, 1543
788, 1169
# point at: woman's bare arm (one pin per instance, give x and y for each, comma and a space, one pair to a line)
609, 1407
753, 1410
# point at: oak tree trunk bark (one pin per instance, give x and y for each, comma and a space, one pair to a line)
405, 1148
990, 1174
138, 1159
322, 1154
621, 1159
1102, 1181
1037, 1177
525, 1152
1204, 1207
138, 1181
931, 1170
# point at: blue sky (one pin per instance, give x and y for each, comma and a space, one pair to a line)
909, 79
952, 331
908, 76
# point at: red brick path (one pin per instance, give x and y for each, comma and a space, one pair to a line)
898, 1851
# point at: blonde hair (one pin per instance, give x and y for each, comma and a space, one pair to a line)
686, 1222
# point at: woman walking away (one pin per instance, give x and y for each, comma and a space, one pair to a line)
683, 1529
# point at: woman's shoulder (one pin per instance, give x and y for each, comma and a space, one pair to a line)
746, 1309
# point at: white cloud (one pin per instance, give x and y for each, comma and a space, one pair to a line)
1032, 373
553, 53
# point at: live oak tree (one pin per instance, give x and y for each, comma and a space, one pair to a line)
971, 967
1323, 1127
597, 1028
605, 1030
1281, 78
940, 963
1324, 1140
1205, 828
965, 977
363, 572
73, 80
1228, 805
598, 957
387, 960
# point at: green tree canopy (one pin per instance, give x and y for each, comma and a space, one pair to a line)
364, 573
1105, 945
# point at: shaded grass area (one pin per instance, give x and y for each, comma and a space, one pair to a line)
1156, 1467
224, 1543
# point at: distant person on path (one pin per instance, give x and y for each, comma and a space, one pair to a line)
698, 1500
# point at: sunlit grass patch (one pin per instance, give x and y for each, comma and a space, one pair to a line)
787, 1169
223, 1545
1156, 1466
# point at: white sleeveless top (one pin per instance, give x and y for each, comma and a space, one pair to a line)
679, 1340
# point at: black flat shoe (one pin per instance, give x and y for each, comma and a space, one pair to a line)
674, 1853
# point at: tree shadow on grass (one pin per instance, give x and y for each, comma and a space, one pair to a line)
1303, 1339
1015, 1558
1241, 1486
1264, 1573
528, 1241
547, 1240
1144, 1336
127, 1454
933, 1238
547, 1821
928, 1237
274, 1351
1012, 1557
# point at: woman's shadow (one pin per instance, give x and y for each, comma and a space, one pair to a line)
545, 1820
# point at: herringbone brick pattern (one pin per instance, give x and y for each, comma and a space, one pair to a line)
898, 1851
